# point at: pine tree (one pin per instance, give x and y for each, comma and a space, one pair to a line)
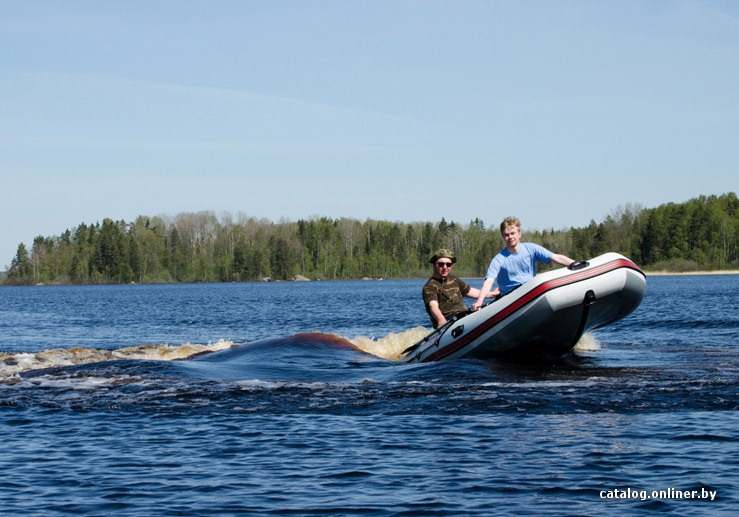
20, 266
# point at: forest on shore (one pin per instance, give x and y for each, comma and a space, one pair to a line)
700, 234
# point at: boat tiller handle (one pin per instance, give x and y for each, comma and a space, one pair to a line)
578, 264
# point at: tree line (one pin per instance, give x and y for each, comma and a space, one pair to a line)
199, 247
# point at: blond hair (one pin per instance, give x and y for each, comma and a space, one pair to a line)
510, 221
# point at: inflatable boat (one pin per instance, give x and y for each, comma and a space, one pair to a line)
545, 317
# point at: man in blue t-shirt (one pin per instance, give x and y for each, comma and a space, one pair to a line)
516, 263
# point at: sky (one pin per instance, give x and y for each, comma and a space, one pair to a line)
556, 112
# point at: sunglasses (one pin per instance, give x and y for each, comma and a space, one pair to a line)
444, 264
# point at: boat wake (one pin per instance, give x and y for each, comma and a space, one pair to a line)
12, 365
391, 346
291, 350
327, 373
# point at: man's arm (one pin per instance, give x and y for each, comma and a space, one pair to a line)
436, 313
490, 277
474, 293
562, 260
483, 293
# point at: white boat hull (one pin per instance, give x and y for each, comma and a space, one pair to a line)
544, 317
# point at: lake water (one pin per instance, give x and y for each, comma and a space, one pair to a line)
282, 422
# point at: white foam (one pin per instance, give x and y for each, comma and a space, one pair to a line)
80, 383
13, 364
169, 352
587, 343
391, 346
259, 385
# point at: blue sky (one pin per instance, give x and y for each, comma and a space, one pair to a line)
558, 112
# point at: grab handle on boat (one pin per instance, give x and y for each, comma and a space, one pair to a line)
578, 264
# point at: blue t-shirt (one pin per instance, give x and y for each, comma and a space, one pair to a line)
509, 270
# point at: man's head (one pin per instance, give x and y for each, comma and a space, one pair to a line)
510, 230
443, 260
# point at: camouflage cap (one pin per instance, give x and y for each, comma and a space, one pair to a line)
443, 252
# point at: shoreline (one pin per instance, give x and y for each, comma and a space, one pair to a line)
721, 272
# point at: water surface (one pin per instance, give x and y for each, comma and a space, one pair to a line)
289, 418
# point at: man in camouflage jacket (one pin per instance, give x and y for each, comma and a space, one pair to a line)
443, 293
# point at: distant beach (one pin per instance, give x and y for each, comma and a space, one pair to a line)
692, 273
